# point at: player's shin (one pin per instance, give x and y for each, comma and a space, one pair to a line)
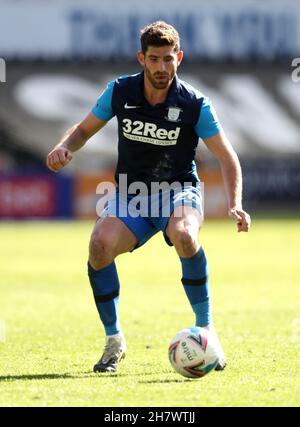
106, 287
196, 285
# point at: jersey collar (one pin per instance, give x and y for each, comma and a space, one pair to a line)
172, 97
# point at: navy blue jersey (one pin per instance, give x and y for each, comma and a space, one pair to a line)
157, 143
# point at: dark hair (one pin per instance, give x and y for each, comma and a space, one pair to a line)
159, 34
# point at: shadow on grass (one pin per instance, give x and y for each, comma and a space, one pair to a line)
34, 377
86, 374
166, 381
81, 375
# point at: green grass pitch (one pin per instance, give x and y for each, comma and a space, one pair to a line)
53, 335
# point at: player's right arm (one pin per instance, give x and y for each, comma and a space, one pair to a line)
76, 137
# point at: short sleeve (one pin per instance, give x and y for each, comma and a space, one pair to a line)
103, 108
208, 123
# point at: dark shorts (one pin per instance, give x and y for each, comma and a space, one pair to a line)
147, 215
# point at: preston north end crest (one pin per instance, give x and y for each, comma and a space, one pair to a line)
173, 114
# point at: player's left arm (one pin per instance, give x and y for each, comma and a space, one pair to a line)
222, 149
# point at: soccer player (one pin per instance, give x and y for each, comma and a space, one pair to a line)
160, 119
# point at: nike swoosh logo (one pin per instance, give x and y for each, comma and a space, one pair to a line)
131, 106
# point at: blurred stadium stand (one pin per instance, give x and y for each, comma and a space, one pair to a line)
60, 56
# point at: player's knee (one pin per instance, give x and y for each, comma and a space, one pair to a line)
185, 241
101, 250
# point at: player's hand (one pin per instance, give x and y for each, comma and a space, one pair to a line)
243, 219
58, 158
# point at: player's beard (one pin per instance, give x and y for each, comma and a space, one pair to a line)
159, 80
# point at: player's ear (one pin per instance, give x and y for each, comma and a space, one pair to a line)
179, 57
141, 58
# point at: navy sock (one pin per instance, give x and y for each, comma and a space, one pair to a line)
196, 285
106, 288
